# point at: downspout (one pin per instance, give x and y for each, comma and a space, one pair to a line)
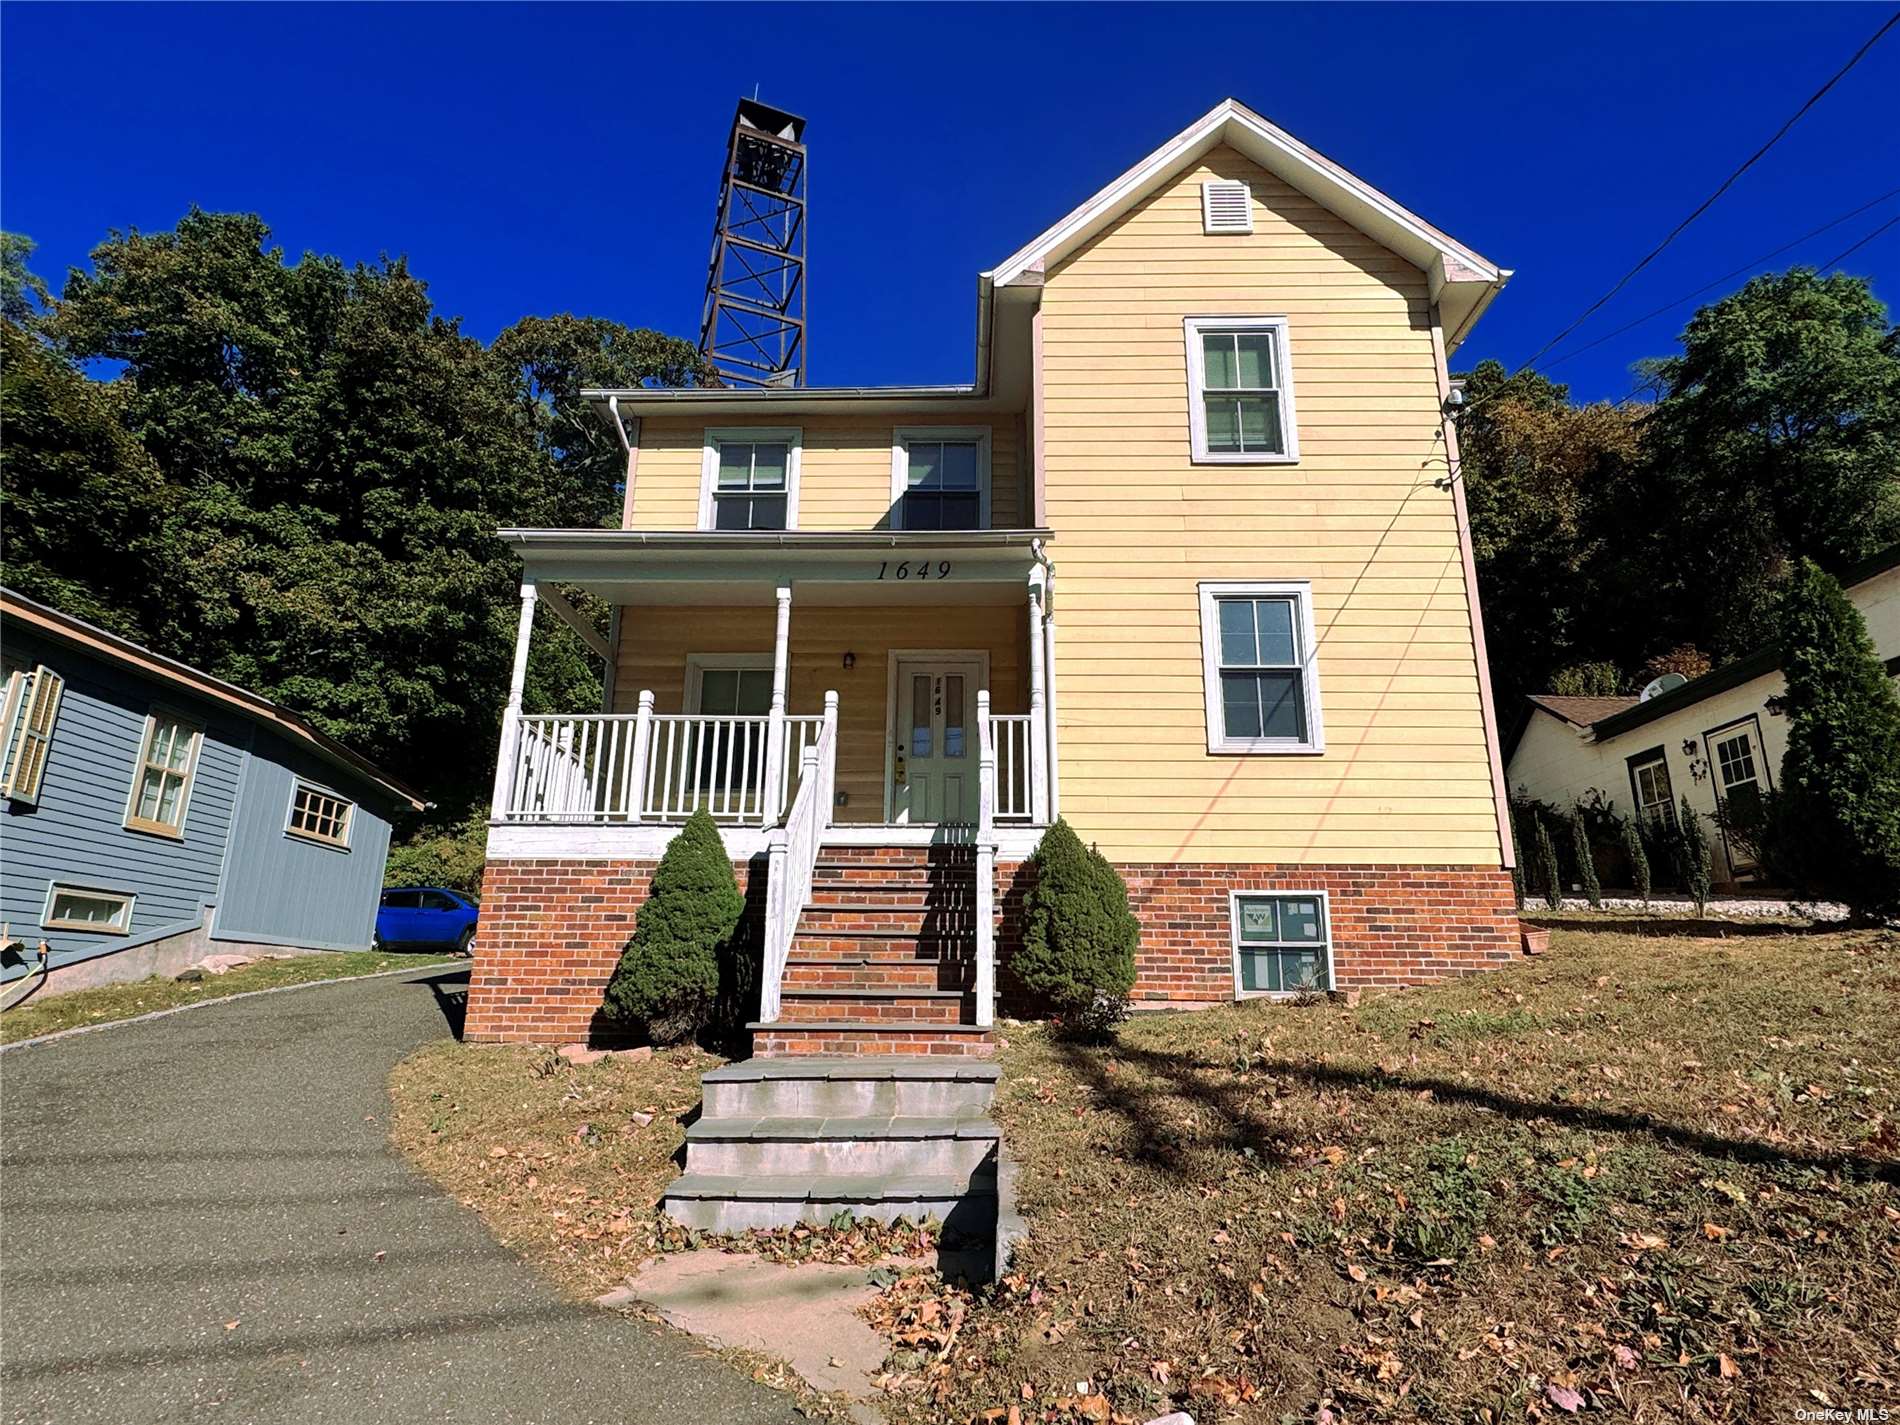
630, 443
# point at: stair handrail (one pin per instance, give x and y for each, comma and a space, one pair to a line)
985, 863
792, 856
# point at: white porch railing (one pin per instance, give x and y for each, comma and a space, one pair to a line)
986, 784
793, 853
1015, 784
606, 768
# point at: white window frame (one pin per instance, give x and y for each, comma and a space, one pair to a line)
1193, 328
699, 664
298, 784
1667, 805
132, 821
794, 438
1300, 591
1235, 897
55, 889
901, 438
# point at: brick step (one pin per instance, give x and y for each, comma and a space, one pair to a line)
892, 895
950, 857
861, 1086
819, 919
872, 1005
856, 1036
862, 972
883, 945
876, 1145
728, 1202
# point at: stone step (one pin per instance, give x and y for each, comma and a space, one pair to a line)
864, 1086
846, 1036
721, 1202
849, 972
843, 1146
872, 1005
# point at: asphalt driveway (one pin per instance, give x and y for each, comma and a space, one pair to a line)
201, 1217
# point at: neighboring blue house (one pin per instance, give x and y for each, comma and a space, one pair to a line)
155, 814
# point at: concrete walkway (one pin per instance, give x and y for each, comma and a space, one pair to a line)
201, 1218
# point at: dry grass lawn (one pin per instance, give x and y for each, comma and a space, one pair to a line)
1643, 1178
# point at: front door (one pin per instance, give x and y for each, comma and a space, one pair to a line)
1740, 779
934, 746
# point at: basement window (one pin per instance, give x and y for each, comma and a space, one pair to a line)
1281, 943
81, 908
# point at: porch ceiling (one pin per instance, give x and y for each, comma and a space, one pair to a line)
842, 568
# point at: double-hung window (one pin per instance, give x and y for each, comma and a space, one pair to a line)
1655, 797
749, 479
1259, 669
940, 478
1241, 391
1281, 943
161, 781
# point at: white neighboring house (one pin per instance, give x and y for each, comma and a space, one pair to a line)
1716, 737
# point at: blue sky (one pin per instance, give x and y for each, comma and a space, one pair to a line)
554, 158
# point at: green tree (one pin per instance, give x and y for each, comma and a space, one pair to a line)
1079, 936
1776, 438
1586, 861
668, 976
1533, 465
1692, 856
22, 295
1587, 680
82, 504
1638, 858
336, 459
1833, 825
1550, 879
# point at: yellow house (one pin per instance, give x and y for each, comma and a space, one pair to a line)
1186, 563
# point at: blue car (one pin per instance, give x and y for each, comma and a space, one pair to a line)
426, 915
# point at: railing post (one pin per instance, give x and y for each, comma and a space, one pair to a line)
1038, 726
772, 798
777, 931
984, 911
828, 734
510, 749
642, 752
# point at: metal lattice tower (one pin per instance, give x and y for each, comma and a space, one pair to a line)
752, 328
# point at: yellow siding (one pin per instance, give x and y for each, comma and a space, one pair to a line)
845, 479
654, 643
1405, 777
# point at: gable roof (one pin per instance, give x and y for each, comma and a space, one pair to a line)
1581, 711
1462, 281
122, 651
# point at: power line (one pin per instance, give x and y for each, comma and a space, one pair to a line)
1727, 183
1746, 266
1841, 257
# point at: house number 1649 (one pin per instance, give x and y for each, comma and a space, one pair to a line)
914, 569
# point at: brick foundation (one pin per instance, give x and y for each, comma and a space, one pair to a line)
552, 931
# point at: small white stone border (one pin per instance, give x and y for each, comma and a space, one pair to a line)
221, 999
1741, 907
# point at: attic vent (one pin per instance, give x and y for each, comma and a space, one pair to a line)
1226, 206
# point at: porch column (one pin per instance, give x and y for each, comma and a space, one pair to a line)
1038, 725
772, 795
511, 715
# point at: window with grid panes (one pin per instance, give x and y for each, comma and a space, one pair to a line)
317, 815
1280, 943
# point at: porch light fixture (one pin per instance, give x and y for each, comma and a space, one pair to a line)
851, 660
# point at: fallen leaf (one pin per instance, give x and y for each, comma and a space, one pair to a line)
1563, 1397
230, 1326
1727, 1367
